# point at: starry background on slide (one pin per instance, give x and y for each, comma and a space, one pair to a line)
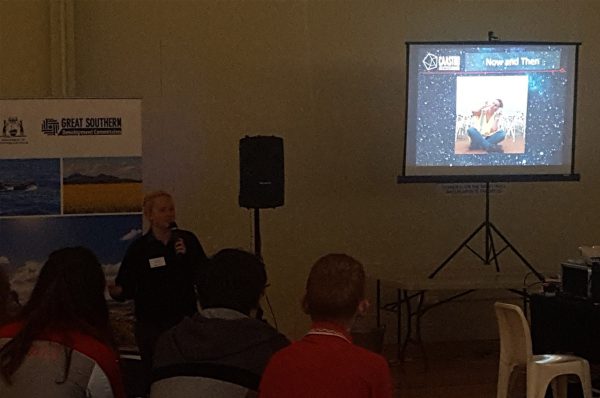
546, 116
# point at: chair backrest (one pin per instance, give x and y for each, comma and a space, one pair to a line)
195, 386
134, 372
515, 336
202, 380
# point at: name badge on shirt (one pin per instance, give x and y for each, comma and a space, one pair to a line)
157, 262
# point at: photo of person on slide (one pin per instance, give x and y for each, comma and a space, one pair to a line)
491, 114
486, 133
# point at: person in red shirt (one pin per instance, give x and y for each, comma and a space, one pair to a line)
325, 363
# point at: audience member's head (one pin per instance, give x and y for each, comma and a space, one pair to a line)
70, 291
233, 279
68, 295
335, 289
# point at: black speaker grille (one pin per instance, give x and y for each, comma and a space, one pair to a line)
261, 172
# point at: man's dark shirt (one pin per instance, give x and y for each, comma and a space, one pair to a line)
160, 281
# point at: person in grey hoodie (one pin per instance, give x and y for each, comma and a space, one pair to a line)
225, 340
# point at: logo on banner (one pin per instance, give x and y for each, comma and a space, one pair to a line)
50, 126
441, 62
13, 131
82, 126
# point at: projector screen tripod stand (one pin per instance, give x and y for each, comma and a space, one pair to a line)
492, 252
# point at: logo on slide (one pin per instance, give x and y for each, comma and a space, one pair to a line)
441, 62
430, 62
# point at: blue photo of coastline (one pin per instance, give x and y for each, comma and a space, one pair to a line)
28, 241
29, 187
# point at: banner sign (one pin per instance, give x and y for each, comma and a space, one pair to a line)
70, 175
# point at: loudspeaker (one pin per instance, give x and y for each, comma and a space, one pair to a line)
261, 172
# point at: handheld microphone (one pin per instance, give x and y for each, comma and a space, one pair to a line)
174, 232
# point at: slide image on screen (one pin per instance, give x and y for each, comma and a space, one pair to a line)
490, 108
491, 114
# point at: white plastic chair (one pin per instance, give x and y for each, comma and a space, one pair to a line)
194, 386
542, 370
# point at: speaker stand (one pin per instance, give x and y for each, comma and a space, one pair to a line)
257, 252
257, 241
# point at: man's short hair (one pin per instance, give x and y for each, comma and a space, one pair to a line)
233, 279
334, 288
500, 103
